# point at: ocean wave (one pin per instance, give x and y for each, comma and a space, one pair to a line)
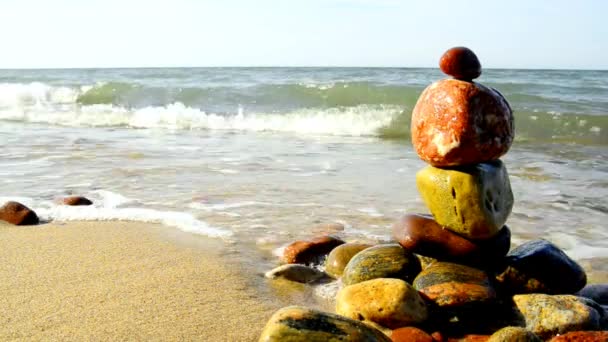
330, 108
361, 120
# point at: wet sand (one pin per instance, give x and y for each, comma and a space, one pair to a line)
121, 281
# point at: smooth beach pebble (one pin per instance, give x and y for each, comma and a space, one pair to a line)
456, 122
381, 261
310, 251
295, 272
582, 336
18, 214
460, 63
549, 315
473, 201
452, 285
540, 267
76, 201
339, 257
514, 334
596, 292
422, 235
300, 324
392, 303
410, 334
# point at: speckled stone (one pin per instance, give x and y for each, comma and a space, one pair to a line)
18, 214
392, 303
541, 267
300, 324
381, 261
549, 315
460, 63
422, 235
458, 122
340, 256
473, 201
452, 285
295, 272
582, 336
514, 334
410, 334
310, 251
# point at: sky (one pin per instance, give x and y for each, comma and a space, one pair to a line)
546, 34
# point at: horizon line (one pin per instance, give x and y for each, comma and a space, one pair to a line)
291, 66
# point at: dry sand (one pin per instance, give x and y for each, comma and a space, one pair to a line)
120, 281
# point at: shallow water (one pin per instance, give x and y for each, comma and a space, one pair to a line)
272, 162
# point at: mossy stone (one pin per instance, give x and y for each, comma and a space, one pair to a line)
473, 201
381, 261
300, 324
339, 257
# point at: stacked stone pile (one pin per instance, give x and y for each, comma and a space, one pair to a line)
450, 276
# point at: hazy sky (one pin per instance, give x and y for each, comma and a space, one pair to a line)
132, 33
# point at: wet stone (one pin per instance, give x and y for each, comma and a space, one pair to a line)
422, 235
596, 292
300, 324
453, 285
295, 272
410, 334
541, 267
473, 201
340, 256
18, 214
381, 261
459, 123
549, 315
514, 334
582, 336
310, 251
392, 303
76, 201
460, 63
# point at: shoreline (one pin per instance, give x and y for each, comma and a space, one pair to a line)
123, 280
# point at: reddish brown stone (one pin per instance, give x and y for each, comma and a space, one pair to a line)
410, 334
310, 251
438, 336
18, 214
453, 285
460, 63
469, 338
76, 200
456, 122
582, 336
422, 235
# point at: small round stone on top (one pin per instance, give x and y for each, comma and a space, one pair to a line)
460, 63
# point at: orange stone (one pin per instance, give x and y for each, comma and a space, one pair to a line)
410, 334
582, 336
76, 200
18, 214
456, 123
310, 251
460, 63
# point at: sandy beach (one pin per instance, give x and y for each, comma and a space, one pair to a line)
121, 281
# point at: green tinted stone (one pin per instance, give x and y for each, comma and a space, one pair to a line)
473, 201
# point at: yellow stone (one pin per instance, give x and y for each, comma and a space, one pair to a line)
473, 201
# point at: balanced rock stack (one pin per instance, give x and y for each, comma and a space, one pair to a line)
450, 276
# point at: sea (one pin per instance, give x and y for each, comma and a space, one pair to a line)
255, 157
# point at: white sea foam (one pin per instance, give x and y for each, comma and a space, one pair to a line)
109, 206
42, 103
